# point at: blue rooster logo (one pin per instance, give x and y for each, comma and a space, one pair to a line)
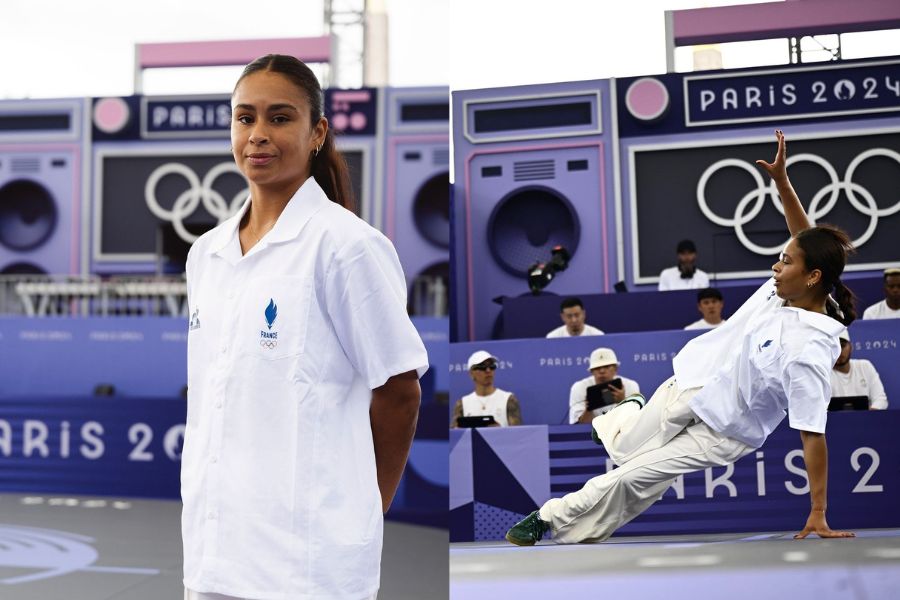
764, 345
271, 313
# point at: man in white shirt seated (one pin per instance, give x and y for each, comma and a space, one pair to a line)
889, 308
573, 315
685, 275
604, 368
486, 399
710, 304
856, 377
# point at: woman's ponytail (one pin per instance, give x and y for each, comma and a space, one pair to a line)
846, 301
827, 248
330, 170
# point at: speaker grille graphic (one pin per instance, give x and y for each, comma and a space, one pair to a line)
26, 165
534, 169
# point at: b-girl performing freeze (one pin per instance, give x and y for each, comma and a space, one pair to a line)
732, 387
303, 366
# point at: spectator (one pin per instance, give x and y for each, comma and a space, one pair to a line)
685, 275
604, 367
710, 304
889, 308
487, 399
572, 313
856, 377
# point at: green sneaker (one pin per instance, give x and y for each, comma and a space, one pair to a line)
528, 531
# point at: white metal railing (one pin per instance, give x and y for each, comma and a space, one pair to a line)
50, 295
429, 297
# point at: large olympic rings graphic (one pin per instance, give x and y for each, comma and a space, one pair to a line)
752, 202
188, 201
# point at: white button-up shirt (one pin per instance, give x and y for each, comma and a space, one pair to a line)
278, 475
766, 361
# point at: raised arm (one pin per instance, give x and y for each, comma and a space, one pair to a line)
793, 211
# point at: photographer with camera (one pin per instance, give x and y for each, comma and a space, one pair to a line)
602, 390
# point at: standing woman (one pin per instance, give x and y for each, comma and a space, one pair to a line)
731, 389
303, 366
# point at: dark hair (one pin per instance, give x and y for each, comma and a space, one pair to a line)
328, 166
685, 246
571, 303
826, 248
709, 293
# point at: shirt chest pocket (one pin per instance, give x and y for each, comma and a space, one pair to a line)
274, 317
766, 350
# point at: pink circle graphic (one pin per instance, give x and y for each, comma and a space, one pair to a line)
339, 121
358, 121
111, 114
647, 99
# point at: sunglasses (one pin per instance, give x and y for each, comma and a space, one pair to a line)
487, 367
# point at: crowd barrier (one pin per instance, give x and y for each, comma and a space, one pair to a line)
137, 356
116, 446
57, 437
541, 371
500, 474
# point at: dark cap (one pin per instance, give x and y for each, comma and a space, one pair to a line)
686, 246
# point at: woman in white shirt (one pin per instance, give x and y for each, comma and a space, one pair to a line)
732, 387
303, 366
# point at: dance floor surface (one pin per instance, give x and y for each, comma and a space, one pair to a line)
757, 566
95, 548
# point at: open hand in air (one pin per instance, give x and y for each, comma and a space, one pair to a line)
778, 168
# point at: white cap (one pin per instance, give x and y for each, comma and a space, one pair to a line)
844, 335
478, 358
602, 357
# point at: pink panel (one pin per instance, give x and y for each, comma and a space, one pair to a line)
782, 19
223, 53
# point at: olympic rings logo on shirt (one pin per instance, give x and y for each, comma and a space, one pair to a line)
188, 201
752, 202
268, 344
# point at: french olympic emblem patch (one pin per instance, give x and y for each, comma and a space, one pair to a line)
268, 340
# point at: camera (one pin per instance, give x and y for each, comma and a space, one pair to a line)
541, 274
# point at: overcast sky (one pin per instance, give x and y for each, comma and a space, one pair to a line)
541, 41
59, 48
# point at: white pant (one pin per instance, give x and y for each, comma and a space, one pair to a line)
653, 446
192, 595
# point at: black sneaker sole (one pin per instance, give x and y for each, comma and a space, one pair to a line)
519, 542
